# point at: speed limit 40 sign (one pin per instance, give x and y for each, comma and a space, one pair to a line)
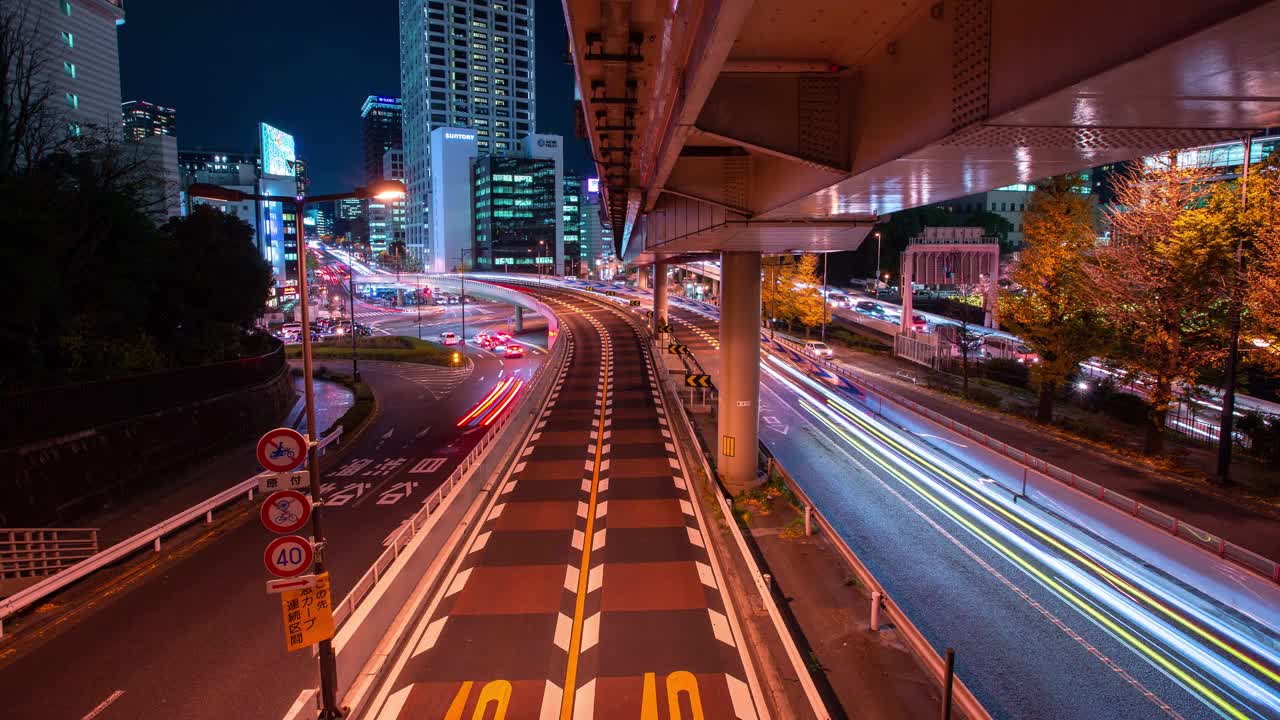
288, 556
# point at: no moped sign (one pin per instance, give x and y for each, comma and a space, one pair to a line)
282, 449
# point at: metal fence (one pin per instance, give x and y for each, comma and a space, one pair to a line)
37, 552
39, 414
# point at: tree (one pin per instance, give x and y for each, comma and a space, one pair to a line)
31, 122
804, 301
1261, 292
396, 258
963, 335
1159, 283
1052, 313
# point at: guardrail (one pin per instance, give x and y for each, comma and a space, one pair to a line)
964, 698
1184, 531
38, 552
151, 536
418, 520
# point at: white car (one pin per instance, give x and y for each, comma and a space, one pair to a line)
817, 349
449, 338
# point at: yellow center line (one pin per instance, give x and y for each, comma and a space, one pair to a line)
575, 637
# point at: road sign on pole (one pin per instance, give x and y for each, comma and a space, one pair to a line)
288, 556
699, 381
678, 349
282, 449
285, 511
633, 303
285, 584
308, 614
270, 482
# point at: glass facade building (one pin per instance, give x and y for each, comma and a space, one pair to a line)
463, 64
143, 120
571, 212
515, 212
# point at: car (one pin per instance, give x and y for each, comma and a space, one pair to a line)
515, 351
450, 338
869, 308
498, 346
817, 349
480, 339
996, 346
918, 323
837, 299
503, 336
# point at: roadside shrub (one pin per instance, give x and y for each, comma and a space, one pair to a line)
1122, 406
983, 396
1264, 435
1009, 372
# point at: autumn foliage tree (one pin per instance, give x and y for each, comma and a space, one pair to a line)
1052, 312
1159, 282
790, 291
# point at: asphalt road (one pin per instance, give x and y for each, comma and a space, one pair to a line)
200, 638
589, 570
1025, 646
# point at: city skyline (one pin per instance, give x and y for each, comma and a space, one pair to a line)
322, 110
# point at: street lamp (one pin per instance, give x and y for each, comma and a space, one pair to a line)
382, 190
877, 287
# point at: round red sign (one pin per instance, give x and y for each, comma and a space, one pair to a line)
285, 511
282, 449
288, 556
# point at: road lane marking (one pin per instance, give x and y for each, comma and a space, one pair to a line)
96, 711
575, 640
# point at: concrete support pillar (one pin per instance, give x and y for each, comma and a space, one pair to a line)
518, 326
659, 295
642, 278
739, 412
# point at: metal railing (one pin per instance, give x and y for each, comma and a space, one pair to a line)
882, 603
151, 536
38, 552
1187, 532
419, 520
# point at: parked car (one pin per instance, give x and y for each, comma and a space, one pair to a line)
996, 346
450, 338
515, 351
817, 349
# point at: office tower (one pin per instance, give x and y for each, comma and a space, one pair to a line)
463, 64
380, 132
515, 214
143, 120
571, 212
84, 59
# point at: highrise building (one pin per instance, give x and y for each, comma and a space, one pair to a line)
596, 238
300, 174
571, 211
516, 212
143, 120
463, 64
380, 132
84, 58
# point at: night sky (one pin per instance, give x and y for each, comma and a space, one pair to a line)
303, 67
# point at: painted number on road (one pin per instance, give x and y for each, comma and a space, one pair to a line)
495, 694
679, 683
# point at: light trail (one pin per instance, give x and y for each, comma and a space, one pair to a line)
1120, 595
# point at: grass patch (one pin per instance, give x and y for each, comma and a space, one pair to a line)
393, 348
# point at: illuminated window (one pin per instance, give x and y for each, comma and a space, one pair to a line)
69, 39
73, 100
66, 7
69, 68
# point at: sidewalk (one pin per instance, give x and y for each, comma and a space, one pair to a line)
1249, 522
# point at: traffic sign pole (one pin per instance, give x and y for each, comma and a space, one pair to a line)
329, 709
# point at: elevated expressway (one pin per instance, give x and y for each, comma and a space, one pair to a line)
741, 127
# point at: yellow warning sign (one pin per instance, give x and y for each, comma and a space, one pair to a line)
727, 444
308, 614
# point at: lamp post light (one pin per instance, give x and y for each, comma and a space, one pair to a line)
382, 190
877, 287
